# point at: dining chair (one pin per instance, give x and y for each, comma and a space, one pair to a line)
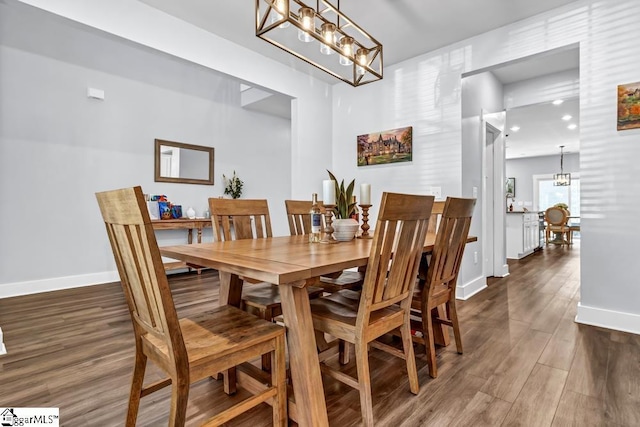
439, 286
300, 223
556, 219
186, 349
436, 214
236, 219
385, 300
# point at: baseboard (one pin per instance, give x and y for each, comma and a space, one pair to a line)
471, 288
617, 320
8, 290
504, 272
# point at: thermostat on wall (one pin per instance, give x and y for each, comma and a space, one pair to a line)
95, 93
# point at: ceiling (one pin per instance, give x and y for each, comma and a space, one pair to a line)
543, 130
407, 28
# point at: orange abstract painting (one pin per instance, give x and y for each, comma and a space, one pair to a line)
629, 106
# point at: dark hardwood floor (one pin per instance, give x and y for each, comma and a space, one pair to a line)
526, 361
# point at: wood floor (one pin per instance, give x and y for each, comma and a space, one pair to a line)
526, 361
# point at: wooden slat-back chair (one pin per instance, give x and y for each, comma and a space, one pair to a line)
442, 275
436, 214
385, 300
298, 216
187, 349
249, 219
300, 223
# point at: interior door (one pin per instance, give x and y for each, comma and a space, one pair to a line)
491, 133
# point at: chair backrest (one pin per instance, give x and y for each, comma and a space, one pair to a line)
398, 242
436, 213
556, 215
140, 266
451, 239
235, 219
298, 216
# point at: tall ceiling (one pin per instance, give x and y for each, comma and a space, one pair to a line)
406, 28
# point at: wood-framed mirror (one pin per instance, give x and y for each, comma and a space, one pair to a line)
183, 163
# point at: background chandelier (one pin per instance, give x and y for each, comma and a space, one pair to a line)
562, 179
322, 36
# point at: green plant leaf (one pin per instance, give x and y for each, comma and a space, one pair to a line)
344, 207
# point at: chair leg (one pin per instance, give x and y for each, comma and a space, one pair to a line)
266, 314
364, 383
179, 399
343, 347
279, 381
407, 345
547, 234
429, 339
136, 388
430, 345
453, 316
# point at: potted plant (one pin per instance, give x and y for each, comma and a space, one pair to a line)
345, 227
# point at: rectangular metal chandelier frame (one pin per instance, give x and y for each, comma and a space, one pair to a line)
365, 54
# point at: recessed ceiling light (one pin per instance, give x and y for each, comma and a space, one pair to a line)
567, 117
558, 102
515, 128
572, 126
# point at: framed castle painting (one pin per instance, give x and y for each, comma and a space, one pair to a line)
389, 146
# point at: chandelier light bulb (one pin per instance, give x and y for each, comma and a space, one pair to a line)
346, 44
361, 57
280, 11
328, 31
306, 17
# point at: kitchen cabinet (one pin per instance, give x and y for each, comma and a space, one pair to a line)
523, 234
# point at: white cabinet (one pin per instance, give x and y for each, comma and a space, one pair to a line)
522, 234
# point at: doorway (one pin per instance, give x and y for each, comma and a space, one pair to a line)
538, 79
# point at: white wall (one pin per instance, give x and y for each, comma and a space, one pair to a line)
481, 93
135, 21
58, 147
425, 92
523, 171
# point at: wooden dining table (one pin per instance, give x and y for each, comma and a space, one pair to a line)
292, 263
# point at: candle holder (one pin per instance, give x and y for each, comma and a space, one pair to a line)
328, 229
365, 222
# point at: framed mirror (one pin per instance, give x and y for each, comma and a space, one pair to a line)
183, 163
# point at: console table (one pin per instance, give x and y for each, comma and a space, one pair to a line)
182, 224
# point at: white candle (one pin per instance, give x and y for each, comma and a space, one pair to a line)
365, 194
328, 192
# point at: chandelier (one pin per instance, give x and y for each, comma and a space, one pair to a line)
562, 179
322, 36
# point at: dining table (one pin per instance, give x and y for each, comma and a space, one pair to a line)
292, 263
